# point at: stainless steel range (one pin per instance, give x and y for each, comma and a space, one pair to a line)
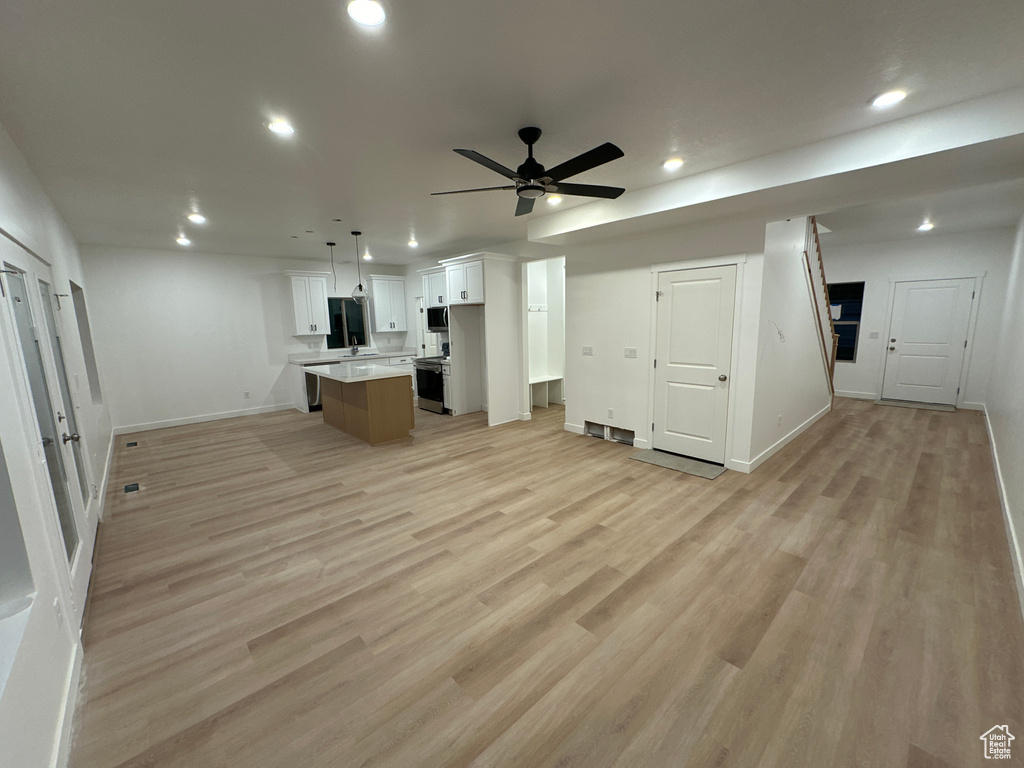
430, 384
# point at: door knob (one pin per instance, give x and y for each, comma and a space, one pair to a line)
892, 349
723, 377
70, 438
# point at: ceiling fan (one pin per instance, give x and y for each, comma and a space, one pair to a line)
533, 181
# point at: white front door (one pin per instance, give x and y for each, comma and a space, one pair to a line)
927, 339
693, 357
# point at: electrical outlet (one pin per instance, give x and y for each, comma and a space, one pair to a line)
59, 612
611, 413
247, 394
588, 351
778, 421
631, 352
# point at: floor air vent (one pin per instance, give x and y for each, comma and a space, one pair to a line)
131, 487
132, 444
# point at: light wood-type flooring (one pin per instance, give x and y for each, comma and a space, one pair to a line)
280, 594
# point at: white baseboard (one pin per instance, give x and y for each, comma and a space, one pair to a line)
641, 443
525, 416
63, 751
1011, 531
576, 429
130, 428
102, 500
972, 406
856, 395
750, 466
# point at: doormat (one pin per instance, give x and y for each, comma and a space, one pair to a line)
922, 406
679, 463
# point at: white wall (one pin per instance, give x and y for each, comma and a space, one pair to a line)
183, 335
923, 257
33, 703
790, 384
1004, 403
609, 305
556, 316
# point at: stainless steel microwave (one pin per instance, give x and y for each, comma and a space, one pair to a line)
437, 319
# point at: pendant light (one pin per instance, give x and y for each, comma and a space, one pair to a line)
358, 294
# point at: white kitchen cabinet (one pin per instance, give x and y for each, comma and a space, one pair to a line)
309, 302
465, 283
387, 302
435, 288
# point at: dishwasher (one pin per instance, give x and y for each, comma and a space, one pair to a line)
313, 387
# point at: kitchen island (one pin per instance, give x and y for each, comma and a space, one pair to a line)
371, 402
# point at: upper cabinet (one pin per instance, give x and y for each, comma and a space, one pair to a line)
387, 303
435, 288
309, 301
465, 282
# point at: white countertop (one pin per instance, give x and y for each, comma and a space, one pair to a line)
343, 355
350, 373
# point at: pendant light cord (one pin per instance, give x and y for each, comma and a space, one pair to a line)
333, 271
359, 272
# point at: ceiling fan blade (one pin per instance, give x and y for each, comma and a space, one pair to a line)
486, 162
588, 190
478, 189
525, 205
595, 157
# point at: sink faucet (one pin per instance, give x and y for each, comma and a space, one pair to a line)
355, 347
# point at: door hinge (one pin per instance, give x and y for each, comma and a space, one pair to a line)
972, 294
965, 343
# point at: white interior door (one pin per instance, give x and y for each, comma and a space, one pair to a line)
694, 352
927, 339
60, 453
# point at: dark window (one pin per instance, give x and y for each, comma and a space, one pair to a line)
348, 323
846, 300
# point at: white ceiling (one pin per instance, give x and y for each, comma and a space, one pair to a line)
130, 112
988, 206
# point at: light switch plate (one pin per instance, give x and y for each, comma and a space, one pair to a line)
631, 352
588, 351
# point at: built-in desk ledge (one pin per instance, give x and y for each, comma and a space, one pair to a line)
13, 620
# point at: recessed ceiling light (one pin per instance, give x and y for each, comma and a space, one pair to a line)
889, 98
183, 241
369, 13
413, 244
367, 256
197, 218
554, 199
281, 128
925, 226
673, 164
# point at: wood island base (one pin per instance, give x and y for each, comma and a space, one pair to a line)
376, 411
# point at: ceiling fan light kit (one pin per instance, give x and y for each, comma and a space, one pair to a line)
531, 180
